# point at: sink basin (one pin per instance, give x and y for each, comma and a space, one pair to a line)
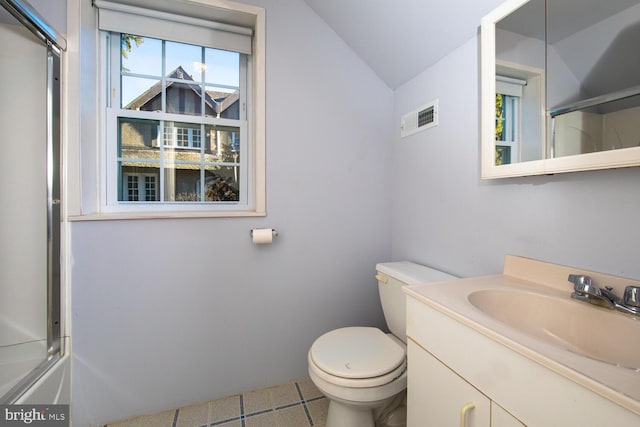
597, 333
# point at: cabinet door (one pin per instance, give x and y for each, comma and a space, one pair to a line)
438, 397
501, 418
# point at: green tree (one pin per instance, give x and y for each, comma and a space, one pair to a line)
128, 40
499, 117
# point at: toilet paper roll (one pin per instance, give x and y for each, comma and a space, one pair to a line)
261, 236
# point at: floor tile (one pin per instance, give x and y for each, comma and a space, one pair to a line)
294, 416
268, 419
193, 416
161, 419
284, 395
225, 408
256, 401
131, 422
318, 411
308, 389
296, 404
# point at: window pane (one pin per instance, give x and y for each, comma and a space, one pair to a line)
141, 55
138, 157
222, 67
181, 182
221, 184
141, 94
138, 138
222, 144
225, 103
133, 188
506, 118
183, 135
185, 98
503, 155
183, 61
139, 184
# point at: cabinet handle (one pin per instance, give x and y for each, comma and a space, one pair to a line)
382, 278
463, 412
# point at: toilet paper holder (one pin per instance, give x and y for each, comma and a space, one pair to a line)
263, 236
274, 232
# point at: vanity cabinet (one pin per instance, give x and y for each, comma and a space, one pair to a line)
437, 396
452, 363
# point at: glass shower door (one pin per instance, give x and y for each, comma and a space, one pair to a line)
29, 213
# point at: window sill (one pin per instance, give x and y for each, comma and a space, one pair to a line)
125, 216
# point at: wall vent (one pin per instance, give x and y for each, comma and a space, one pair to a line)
418, 120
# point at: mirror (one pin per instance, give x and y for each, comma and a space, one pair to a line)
560, 89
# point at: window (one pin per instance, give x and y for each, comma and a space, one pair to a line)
140, 187
182, 137
183, 126
506, 127
508, 100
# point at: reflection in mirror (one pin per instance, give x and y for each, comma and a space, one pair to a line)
520, 85
590, 59
610, 122
593, 73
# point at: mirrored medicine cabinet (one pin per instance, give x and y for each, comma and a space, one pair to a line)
560, 87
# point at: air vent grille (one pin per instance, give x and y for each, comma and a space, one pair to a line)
423, 118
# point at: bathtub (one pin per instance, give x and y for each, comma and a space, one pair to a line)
27, 373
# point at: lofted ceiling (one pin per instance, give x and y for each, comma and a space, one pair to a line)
399, 39
566, 17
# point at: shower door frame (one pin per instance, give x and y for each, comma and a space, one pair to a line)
55, 44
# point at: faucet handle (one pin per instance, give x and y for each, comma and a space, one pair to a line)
631, 296
580, 283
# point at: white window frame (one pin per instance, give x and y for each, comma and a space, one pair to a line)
251, 130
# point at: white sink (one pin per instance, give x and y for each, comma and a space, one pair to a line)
598, 333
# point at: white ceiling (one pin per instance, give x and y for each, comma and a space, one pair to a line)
401, 38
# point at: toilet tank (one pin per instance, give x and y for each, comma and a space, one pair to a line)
392, 276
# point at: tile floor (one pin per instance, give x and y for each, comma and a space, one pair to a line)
297, 404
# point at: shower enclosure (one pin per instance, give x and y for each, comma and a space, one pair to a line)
30, 334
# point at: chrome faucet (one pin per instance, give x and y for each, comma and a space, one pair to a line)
584, 290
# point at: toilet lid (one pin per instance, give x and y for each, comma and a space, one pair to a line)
357, 352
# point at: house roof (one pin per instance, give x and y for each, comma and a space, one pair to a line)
216, 100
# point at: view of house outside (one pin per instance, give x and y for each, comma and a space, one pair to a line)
169, 160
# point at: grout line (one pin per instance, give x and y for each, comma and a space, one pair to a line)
253, 414
175, 418
304, 405
242, 410
289, 405
228, 420
299, 392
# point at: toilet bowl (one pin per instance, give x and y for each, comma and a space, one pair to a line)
363, 370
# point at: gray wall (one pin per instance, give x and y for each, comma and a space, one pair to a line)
171, 312
445, 216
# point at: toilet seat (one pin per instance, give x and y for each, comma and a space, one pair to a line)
357, 357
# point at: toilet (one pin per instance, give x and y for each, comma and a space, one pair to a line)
363, 370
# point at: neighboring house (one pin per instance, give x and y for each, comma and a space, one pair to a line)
186, 146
